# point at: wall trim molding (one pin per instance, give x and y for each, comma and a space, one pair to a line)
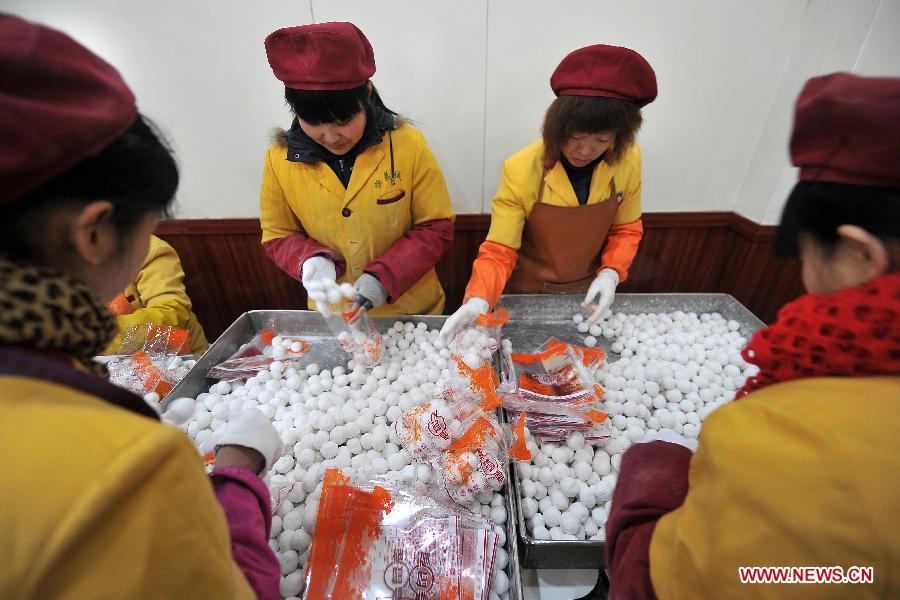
227, 271
476, 221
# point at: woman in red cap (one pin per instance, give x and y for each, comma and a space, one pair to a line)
100, 500
351, 192
801, 470
567, 215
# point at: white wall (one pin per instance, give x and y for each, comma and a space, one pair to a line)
474, 75
861, 36
199, 70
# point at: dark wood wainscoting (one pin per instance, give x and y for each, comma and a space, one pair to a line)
227, 271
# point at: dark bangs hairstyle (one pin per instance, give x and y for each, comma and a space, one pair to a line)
569, 115
136, 173
333, 106
818, 208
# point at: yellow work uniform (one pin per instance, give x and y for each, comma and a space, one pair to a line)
801, 473
519, 188
364, 220
158, 296
99, 502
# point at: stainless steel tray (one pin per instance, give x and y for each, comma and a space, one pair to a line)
534, 318
328, 354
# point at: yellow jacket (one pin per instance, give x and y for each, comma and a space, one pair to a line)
364, 220
515, 199
518, 190
158, 296
99, 502
802, 473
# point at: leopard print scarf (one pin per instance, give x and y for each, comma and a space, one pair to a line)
44, 309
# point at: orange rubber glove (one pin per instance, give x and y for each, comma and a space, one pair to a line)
621, 246
491, 271
120, 306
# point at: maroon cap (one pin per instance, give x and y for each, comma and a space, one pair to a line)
59, 104
607, 71
324, 56
847, 130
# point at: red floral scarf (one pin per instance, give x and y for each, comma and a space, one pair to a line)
855, 331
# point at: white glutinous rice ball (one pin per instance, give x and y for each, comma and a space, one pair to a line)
292, 584
569, 486
501, 559
500, 582
590, 341
312, 369
301, 541
560, 471
616, 462
276, 526
529, 507
551, 516
587, 497
569, 523
602, 491
635, 434
575, 441
292, 521
583, 327
348, 291
284, 464
578, 318
498, 515
595, 331
582, 470
559, 500
529, 488
179, 410
329, 449
546, 476
289, 561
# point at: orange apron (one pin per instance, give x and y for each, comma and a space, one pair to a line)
561, 246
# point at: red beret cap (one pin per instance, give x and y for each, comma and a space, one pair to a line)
607, 71
59, 104
324, 56
847, 130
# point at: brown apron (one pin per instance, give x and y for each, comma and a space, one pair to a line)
561, 246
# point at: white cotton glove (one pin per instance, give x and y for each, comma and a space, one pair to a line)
315, 272
317, 268
603, 289
464, 316
251, 429
668, 435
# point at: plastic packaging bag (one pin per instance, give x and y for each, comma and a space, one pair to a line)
475, 461
591, 358
155, 340
554, 391
258, 354
384, 540
148, 359
360, 339
427, 430
474, 385
475, 345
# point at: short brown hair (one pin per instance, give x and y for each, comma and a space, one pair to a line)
569, 115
